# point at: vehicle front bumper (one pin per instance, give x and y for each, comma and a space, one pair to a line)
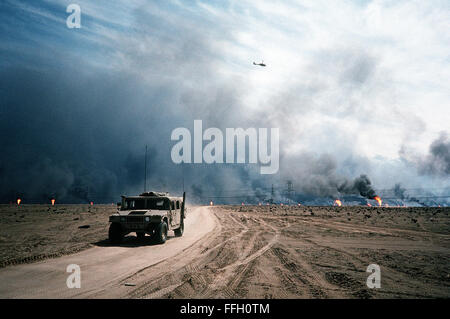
136, 222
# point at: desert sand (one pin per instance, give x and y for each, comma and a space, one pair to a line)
229, 252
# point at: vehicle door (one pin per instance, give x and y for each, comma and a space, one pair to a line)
173, 214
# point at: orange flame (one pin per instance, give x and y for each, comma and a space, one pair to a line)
378, 199
211, 203
368, 204
299, 204
92, 203
18, 201
53, 201
337, 202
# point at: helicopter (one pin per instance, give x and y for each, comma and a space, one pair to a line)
260, 64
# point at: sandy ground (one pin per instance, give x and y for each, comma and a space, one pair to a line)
34, 232
232, 252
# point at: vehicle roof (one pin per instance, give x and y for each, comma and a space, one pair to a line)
153, 195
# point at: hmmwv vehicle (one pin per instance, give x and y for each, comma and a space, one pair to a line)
152, 213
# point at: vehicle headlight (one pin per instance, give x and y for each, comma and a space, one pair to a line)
147, 219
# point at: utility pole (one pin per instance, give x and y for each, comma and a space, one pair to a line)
145, 170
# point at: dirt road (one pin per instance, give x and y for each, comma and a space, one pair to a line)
261, 252
103, 269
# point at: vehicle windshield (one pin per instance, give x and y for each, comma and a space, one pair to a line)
149, 203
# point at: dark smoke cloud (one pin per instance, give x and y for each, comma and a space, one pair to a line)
197, 191
80, 135
437, 162
68, 136
399, 191
76, 131
364, 186
319, 175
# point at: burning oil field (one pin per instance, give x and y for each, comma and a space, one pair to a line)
357, 193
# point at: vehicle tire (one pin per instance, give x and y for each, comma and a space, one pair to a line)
179, 231
115, 233
161, 233
140, 235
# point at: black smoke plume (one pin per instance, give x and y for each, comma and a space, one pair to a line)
437, 162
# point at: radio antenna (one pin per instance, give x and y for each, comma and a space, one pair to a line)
145, 170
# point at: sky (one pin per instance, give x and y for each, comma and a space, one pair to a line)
355, 87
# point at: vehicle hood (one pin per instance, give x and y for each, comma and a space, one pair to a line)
141, 212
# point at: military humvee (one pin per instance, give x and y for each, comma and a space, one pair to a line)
150, 213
